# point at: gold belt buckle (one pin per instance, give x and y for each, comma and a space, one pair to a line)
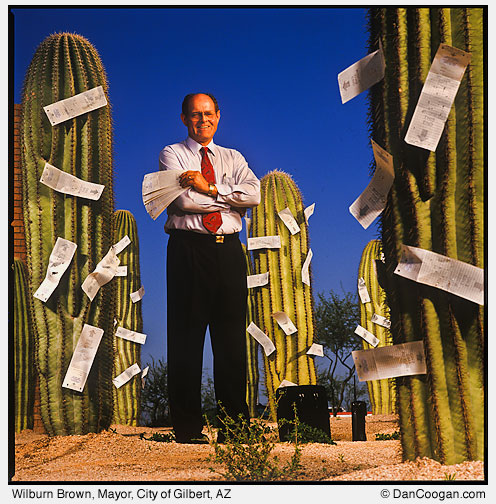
219, 238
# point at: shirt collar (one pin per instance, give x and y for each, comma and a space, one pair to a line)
195, 147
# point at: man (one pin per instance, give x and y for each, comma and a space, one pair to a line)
206, 269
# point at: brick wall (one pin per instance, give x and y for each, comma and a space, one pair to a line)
20, 240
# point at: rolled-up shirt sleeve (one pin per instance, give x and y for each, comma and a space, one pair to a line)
243, 188
190, 201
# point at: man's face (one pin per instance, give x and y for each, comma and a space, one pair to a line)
201, 119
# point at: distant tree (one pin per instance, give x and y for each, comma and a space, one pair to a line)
154, 397
336, 318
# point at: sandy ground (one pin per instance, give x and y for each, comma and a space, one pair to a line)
120, 455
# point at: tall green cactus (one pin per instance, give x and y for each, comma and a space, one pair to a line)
382, 393
436, 203
128, 315
65, 65
23, 351
252, 375
285, 292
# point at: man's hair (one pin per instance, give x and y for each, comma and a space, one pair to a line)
188, 97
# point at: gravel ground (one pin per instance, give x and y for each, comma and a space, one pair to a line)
120, 455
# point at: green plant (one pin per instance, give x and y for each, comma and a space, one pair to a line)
154, 397
23, 351
436, 203
65, 65
128, 316
341, 458
308, 434
252, 375
450, 476
246, 452
285, 292
387, 436
382, 393
167, 437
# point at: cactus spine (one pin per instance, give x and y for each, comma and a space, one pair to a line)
286, 291
65, 65
436, 203
23, 351
382, 393
252, 375
128, 315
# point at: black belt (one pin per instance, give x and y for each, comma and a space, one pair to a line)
203, 237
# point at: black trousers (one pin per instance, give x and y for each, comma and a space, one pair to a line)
206, 286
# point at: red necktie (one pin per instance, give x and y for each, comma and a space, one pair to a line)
212, 221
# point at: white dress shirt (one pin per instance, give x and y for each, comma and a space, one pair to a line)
236, 184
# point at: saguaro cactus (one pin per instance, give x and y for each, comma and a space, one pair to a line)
65, 65
252, 375
382, 393
436, 203
285, 292
128, 315
23, 351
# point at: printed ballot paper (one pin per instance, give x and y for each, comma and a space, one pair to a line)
285, 323
66, 183
287, 383
289, 220
316, 349
121, 244
137, 295
308, 212
129, 335
74, 106
373, 200
121, 271
380, 320
82, 358
361, 75
264, 242
437, 96
159, 190
366, 335
126, 375
262, 338
257, 280
143, 376
362, 291
104, 272
390, 361
305, 269
436, 270
59, 260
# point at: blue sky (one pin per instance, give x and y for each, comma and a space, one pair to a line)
274, 73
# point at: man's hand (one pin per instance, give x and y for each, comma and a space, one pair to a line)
194, 179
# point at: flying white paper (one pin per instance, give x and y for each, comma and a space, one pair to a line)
137, 295
262, 338
289, 220
362, 291
160, 189
436, 270
438, 93
373, 200
361, 75
66, 183
390, 361
316, 349
257, 280
126, 334
264, 242
76, 105
59, 260
285, 323
305, 269
287, 383
121, 271
380, 320
121, 244
367, 336
126, 375
82, 358
104, 272
143, 376
309, 211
